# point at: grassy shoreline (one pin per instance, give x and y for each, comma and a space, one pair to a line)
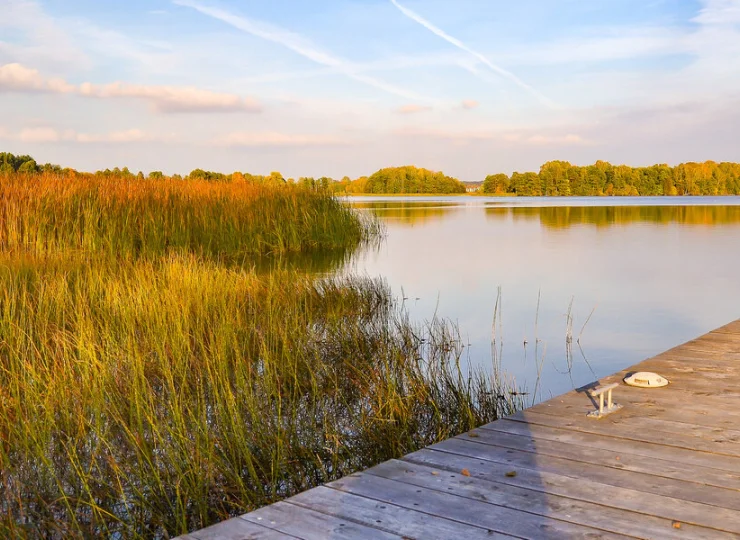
152, 382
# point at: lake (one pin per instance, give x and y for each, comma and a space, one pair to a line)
642, 274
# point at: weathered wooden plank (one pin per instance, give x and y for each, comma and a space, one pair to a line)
308, 524
711, 380
712, 338
697, 359
616, 488
708, 348
673, 404
474, 485
718, 338
649, 408
236, 529
694, 370
686, 429
584, 481
594, 442
686, 359
695, 393
733, 327
472, 512
632, 429
389, 517
651, 469
698, 365
693, 429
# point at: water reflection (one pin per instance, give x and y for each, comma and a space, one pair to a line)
651, 273
313, 262
606, 216
408, 212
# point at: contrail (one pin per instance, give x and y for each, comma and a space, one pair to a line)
299, 45
460, 45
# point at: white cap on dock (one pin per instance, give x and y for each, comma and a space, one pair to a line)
646, 379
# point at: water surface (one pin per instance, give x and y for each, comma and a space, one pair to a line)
650, 272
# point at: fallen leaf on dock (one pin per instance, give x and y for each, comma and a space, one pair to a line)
465, 472
511, 474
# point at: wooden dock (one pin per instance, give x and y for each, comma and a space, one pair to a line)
667, 465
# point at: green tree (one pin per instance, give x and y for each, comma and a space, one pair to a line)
28, 167
497, 184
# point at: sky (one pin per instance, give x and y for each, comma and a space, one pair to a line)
345, 87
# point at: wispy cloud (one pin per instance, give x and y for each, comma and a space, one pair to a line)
44, 40
171, 99
468, 136
47, 134
276, 139
469, 104
299, 45
126, 136
385, 64
724, 12
39, 135
480, 57
165, 99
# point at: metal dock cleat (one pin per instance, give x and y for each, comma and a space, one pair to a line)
610, 405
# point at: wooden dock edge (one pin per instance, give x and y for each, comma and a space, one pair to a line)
665, 465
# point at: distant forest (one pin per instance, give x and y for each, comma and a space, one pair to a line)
554, 179
560, 178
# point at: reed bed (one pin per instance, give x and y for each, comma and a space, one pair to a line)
148, 389
47, 213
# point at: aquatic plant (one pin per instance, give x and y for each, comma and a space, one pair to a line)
154, 379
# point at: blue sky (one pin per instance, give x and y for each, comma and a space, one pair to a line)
344, 87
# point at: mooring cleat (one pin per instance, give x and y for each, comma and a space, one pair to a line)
610, 406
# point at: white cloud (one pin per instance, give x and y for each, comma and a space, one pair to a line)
46, 134
617, 43
15, 77
722, 12
39, 135
166, 99
105, 44
128, 136
301, 46
275, 139
469, 104
475, 54
170, 99
46, 42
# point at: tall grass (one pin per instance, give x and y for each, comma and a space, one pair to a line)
127, 216
147, 390
152, 398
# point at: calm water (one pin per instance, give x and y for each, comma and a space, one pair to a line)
653, 272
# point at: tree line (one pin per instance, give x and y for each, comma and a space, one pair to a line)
560, 178
554, 179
